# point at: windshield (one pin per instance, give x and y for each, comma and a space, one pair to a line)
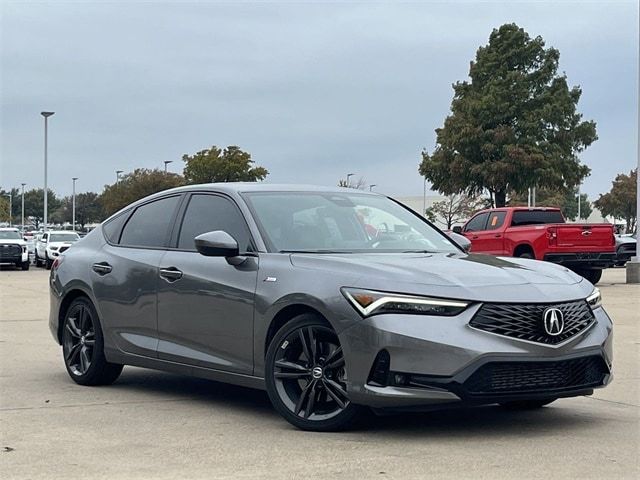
64, 237
341, 222
10, 235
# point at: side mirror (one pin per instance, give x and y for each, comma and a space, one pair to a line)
457, 229
217, 244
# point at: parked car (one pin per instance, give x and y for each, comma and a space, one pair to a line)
13, 248
51, 244
333, 300
541, 233
626, 247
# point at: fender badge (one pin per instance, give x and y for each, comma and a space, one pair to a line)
270, 279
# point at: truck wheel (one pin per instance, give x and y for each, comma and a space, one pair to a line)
525, 255
38, 262
593, 275
48, 263
25, 265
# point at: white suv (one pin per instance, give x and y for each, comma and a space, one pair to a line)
51, 244
13, 248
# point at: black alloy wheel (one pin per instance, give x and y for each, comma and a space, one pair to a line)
306, 376
83, 346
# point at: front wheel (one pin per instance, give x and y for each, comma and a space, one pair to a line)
593, 275
83, 346
306, 378
25, 265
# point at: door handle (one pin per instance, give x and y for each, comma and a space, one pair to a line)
171, 274
498, 235
101, 268
474, 237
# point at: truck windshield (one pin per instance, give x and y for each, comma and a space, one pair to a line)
342, 223
536, 217
10, 235
64, 237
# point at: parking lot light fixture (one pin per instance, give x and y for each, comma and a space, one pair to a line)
167, 162
22, 214
73, 203
118, 172
349, 175
46, 116
371, 187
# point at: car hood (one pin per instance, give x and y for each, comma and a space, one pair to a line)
12, 241
473, 276
59, 244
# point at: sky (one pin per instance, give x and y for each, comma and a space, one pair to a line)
312, 90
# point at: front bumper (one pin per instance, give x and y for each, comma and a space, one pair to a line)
438, 357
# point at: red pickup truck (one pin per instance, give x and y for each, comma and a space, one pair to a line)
542, 233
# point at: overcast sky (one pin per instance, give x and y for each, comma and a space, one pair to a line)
312, 91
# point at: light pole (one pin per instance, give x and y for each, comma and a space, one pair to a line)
10, 206
73, 204
424, 197
167, 162
118, 172
371, 187
579, 204
46, 116
349, 175
22, 215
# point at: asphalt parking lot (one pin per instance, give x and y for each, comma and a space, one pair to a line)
158, 425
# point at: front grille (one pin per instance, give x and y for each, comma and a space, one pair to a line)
525, 377
525, 321
10, 250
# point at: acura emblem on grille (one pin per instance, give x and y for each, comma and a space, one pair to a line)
553, 321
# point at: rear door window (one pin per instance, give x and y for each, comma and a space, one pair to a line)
149, 226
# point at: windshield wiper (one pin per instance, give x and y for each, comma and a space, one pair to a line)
420, 251
314, 251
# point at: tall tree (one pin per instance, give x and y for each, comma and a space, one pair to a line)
34, 204
454, 209
136, 185
620, 202
513, 125
4, 209
216, 165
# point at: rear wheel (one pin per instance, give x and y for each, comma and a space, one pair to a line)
306, 378
525, 255
527, 404
25, 265
83, 346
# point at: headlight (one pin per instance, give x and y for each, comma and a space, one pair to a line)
595, 299
369, 302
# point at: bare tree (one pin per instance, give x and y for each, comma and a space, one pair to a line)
454, 209
360, 184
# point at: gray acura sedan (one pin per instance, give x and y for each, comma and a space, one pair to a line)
333, 300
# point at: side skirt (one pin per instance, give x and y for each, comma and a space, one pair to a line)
184, 369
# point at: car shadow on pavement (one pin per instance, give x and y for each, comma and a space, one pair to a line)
480, 422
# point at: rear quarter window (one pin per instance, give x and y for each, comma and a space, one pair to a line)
535, 217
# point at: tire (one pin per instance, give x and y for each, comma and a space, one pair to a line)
48, 262
525, 255
25, 265
310, 395
83, 346
37, 261
593, 275
527, 404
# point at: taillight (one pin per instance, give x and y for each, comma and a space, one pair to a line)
57, 262
552, 235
